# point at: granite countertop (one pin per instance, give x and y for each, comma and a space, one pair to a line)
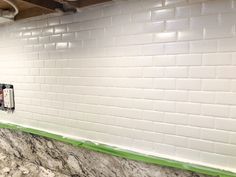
26, 155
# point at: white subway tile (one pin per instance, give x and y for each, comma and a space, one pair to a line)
36, 32
165, 149
188, 108
219, 32
142, 16
66, 19
233, 85
226, 72
74, 27
148, 136
176, 48
215, 110
213, 158
233, 58
188, 153
201, 145
90, 43
176, 72
134, 28
178, 141
132, 50
121, 19
202, 97
48, 31
225, 149
165, 37
214, 7
154, 27
188, 84
202, 72
215, 135
201, 121
106, 42
164, 60
61, 45
152, 4
90, 14
82, 35
41, 23
75, 45
166, 128
216, 85
164, 83
228, 98
97, 33
199, 22
111, 10
176, 118
162, 14
153, 72
53, 21
227, 44
134, 39
164, 106
33, 40
152, 115
140, 143
153, 49
174, 2
55, 38
225, 124
113, 31
233, 111
186, 35
60, 29
232, 138
231, 162
68, 37
188, 10
227, 19
173, 95
131, 7
186, 131
203, 46
189, 60
26, 34
177, 24
217, 59
143, 104
153, 94
50, 46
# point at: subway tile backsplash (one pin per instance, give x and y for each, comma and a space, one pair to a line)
154, 76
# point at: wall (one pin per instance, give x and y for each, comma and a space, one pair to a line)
157, 77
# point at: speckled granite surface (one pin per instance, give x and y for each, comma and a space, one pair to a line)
26, 155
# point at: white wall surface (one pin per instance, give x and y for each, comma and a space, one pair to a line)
153, 76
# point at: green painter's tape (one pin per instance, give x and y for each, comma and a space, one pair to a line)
124, 153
